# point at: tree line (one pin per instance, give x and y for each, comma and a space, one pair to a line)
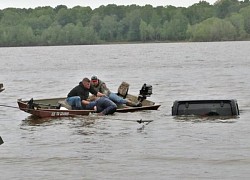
226, 20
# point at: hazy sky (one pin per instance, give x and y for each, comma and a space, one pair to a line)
95, 3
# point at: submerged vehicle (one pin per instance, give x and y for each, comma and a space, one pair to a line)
206, 107
58, 107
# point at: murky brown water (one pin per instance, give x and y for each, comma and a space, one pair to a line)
115, 147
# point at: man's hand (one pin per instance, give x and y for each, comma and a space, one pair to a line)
85, 102
100, 94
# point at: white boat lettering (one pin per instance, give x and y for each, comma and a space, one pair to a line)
59, 113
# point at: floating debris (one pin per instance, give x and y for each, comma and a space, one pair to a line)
1, 87
1, 140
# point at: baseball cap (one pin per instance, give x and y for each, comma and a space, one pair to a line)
94, 78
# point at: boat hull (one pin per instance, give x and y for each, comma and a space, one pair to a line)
47, 108
43, 113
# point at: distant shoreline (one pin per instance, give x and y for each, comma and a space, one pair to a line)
120, 43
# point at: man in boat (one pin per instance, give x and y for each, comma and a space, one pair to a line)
78, 99
101, 87
104, 106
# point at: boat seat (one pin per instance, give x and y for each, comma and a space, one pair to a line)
123, 89
65, 104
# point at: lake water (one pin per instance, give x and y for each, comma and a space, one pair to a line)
116, 147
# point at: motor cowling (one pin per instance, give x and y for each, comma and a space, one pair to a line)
145, 92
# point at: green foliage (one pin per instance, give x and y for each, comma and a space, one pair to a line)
64, 17
81, 14
133, 20
10, 17
237, 21
147, 32
226, 7
225, 20
176, 28
199, 12
245, 12
108, 28
213, 29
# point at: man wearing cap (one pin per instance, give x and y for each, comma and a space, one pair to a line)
101, 87
78, 99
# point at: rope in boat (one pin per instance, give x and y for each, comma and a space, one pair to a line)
14, 107
9, 106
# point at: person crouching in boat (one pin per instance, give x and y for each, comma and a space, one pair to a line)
104, 106
101, 87
78, 99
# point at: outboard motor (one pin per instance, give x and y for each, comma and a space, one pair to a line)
145, 92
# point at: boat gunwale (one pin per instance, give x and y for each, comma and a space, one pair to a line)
38, 112
61, 110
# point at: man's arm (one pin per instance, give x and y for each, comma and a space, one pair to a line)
93, 91
100, 94
104, 90
85, 102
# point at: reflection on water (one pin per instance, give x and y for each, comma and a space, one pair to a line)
36, 121
79, 121
207, 119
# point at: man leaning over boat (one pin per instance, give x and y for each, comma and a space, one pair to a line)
101, 87
78, 99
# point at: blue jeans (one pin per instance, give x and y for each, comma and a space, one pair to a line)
117, 99
105, 106
76, 103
